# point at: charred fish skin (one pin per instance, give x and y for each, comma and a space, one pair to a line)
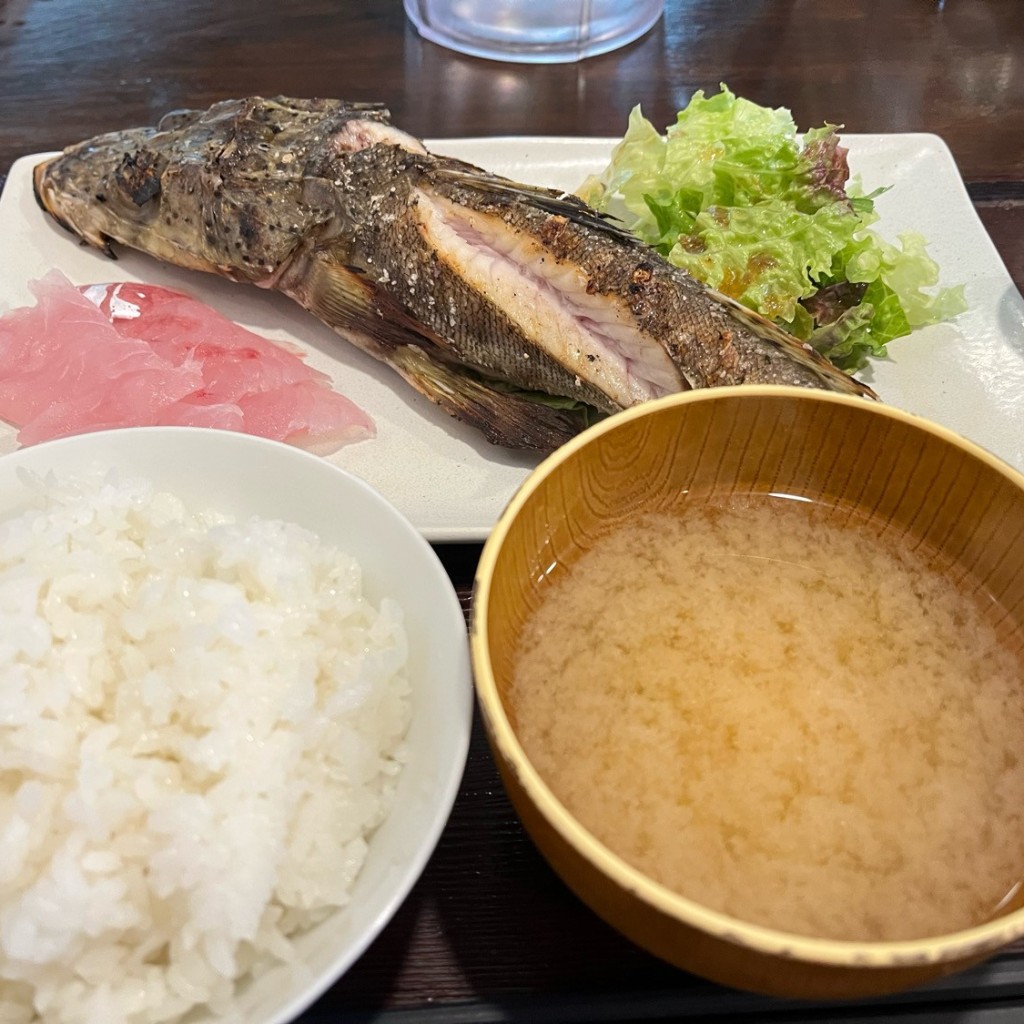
227, 191
389, 240
461, 280
553, 265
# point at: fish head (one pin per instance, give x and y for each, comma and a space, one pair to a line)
234, 190
69, 186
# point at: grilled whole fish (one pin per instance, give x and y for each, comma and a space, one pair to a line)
518, 309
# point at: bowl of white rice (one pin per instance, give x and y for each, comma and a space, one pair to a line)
235, 705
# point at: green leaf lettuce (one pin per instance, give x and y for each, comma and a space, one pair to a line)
736, 196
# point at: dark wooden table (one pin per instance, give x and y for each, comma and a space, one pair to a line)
489, 933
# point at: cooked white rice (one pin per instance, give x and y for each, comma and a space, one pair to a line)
201, 722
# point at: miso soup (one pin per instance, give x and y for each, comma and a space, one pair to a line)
785, 716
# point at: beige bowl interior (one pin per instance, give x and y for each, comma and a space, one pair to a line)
923, 483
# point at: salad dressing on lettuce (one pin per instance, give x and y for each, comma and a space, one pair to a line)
734, 194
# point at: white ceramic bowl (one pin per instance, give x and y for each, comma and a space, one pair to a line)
244, 475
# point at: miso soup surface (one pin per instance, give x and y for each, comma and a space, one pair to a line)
789, 721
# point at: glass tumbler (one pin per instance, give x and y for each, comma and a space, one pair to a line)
533, 31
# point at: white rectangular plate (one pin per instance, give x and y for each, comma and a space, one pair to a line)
453, 485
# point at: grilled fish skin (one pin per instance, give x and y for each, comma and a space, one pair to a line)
481, 292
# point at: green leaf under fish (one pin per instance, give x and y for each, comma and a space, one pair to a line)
587, 414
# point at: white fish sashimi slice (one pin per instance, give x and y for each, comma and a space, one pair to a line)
306, 414
128, 354
62, 371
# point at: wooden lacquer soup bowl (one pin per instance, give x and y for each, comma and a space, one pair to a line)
921, 485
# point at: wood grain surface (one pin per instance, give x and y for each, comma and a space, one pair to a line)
489, 933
